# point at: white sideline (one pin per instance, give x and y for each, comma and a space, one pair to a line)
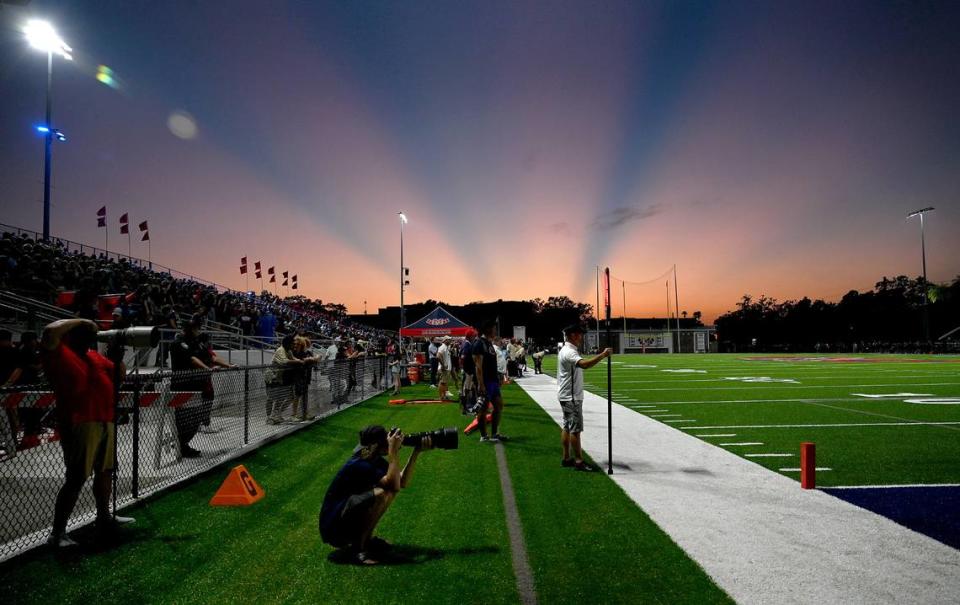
755, 532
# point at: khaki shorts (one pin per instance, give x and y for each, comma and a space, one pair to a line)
446, 376
87, 447
572, 416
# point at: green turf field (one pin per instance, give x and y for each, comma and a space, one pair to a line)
775, 402
586, 541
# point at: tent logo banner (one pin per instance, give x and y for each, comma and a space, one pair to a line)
440, 321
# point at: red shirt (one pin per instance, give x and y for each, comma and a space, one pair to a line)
83, 385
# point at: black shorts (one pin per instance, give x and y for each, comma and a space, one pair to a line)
346, 530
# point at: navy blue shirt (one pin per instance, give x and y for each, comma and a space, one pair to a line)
357, 476
484, 347
466, 356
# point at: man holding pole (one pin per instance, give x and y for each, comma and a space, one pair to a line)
570, 367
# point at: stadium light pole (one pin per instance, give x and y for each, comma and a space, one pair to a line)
403, 221
923, 258
41, 36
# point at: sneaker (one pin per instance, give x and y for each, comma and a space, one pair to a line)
585, 467
61, 541
109, 524
485, 439
567, 462
499, 437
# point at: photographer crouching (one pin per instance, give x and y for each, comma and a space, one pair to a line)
365, 487
83, 381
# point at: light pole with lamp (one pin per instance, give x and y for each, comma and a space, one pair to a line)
403, 283
923, 257
41, 36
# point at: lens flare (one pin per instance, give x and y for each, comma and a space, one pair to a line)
182, 125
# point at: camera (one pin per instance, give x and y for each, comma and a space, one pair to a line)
140, 337
446, 438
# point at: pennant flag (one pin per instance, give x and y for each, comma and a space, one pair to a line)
284, 282
243, 261
102, 221
123, 219
273, 279
146, 236
102, 211
285, 275
259, 275
124, 228
294, 286
256, 265
294, 278
270, 271
143, 226
243, 269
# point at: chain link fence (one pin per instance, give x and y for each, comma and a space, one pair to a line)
170, 426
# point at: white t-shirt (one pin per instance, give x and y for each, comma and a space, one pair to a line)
569, 375
331, 352
443, 355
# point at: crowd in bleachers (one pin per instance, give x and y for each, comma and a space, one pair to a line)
51, 273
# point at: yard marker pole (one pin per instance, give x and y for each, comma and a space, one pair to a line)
808, 465
609, 380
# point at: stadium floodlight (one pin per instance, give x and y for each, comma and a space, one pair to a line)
403, 218
41, 36
923, 257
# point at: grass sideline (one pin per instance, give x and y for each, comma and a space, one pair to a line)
709, 391
586, 540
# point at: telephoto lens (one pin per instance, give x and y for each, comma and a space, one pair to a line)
446, 438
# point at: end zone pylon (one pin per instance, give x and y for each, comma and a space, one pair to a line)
238, 489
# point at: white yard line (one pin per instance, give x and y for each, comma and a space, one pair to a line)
839, 424
754, 531
675, 421
717, 435
741, 443
797, 470
770, 455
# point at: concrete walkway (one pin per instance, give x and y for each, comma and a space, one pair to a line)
756, 533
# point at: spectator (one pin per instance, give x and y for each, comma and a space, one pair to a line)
82, 380
432, 358
302, 376
279, 379
190, 374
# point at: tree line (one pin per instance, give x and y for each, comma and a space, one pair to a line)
889, 317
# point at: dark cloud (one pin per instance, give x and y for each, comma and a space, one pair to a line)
618, 217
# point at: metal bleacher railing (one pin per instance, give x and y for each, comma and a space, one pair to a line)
231, 410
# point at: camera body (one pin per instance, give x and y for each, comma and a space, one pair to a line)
446, 438
144, 337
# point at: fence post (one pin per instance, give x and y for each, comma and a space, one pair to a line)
135, 471
246, 405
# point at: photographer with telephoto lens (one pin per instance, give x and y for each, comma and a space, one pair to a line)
363, 490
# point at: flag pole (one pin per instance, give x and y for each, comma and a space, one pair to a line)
609, 383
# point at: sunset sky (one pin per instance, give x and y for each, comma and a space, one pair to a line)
762, 147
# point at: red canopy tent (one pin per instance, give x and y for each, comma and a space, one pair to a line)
438, 322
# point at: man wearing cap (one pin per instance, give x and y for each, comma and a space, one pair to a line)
468, 391
570, 367
82, 380
363, 490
